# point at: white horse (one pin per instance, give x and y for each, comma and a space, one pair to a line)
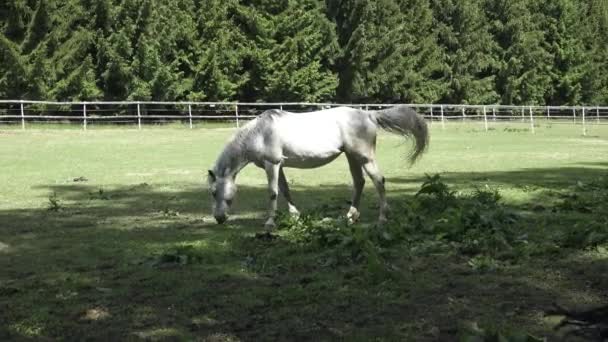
278, 139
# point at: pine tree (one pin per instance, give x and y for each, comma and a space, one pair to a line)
389, 51
80, 84
565, 35
13, 71
300, 48
39, 75
216, 57
38, 27
113, 57
525, 74
595, 82
470, 51
13, 14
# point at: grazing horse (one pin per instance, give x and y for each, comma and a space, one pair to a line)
278, 139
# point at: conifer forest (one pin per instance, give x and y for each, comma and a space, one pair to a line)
534, 52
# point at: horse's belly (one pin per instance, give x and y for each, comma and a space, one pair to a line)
305, 148
309, 161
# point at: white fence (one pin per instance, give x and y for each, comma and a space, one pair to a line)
17, 112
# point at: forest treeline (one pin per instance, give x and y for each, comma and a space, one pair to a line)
410, 51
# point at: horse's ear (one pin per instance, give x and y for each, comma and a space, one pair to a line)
211, 175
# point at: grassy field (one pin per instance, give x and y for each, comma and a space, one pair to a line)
107, 235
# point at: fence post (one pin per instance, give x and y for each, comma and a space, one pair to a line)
597, 114
494, 113
22, 116
431, 114
138, 116
584, 126
236, 112
548, 112
84, 115
574, 114
485, 118
442, 118
190, 114
463, 115
522, 114
532, 120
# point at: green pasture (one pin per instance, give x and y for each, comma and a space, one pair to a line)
107, 235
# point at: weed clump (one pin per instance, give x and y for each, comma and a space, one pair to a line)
54, 203
436, 220
475, 225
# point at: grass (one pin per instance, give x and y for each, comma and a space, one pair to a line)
107, 235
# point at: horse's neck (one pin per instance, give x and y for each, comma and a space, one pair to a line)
231, 161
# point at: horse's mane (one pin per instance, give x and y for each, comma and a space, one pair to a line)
256, 125
237, 146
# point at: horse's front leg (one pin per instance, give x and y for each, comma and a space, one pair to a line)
358, 182
272, 173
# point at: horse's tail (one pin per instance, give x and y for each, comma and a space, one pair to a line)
405, 121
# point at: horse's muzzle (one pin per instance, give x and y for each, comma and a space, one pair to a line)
221, 218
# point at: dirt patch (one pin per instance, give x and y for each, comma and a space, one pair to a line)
95, 314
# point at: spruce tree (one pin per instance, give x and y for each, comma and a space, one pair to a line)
300, 48
525, 73
470, 51
389, 51
595, 82
38, 27
13, 14
565, 35
216, 58
13, 71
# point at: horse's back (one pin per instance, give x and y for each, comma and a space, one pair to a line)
324, 125
306, 140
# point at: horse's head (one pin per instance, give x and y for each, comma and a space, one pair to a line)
223, 189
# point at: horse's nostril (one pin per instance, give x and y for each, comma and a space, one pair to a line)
220, 219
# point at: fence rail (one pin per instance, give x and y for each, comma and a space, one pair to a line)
15, 112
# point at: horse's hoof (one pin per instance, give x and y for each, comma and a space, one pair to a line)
270, 225
352, 216
382, 221
293, 211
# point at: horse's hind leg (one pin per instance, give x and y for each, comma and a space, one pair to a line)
272, 173
358, 182
284, 187
372, 170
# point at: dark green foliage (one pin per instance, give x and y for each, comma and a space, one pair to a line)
415, 51
180, 255
475, 226
585, 199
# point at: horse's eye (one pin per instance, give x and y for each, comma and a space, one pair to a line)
213, 193
229, 202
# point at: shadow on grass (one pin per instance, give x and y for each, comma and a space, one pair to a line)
98, 268
544, 179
